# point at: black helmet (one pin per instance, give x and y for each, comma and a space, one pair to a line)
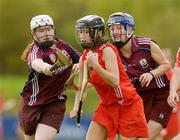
93, 23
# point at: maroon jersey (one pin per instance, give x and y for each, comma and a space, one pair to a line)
141, 62
41, 89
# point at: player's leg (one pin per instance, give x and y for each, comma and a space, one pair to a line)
177, 137
160, 113
20, 133
120, 137
154, 129
27, 117
45, 132
27, 137
96, 132
50, 121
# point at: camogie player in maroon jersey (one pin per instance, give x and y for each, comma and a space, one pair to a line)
43, 99
146, 67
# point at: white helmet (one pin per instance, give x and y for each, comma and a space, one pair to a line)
41, 20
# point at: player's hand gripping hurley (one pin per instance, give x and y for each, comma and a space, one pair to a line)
83, 86
62, 60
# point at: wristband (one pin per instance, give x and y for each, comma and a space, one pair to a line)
152, 74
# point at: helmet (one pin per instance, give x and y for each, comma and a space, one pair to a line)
93, 23
127, 21
122, 18
41, 20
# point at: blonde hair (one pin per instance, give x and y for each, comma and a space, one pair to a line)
25, 53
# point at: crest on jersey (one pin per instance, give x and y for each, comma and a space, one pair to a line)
144, 63
52, 58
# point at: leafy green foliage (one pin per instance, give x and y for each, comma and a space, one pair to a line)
10, 89
158, 19
89, 105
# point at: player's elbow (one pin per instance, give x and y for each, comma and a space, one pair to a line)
167, 66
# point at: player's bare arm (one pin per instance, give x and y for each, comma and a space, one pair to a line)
41, 67
174, 86
111, 74
160, 59
163, 65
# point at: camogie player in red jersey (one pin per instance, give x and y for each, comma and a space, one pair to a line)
120, 110
50, 62
172, 128
146, 67
173, 98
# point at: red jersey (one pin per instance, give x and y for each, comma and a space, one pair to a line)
172, 128
124, 93
178, 58
141, 62
41, 89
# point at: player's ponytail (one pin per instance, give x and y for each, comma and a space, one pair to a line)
25, 53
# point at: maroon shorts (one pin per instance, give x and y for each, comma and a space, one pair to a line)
155, 105
50, 114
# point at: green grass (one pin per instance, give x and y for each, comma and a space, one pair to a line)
12, 85
10, 88
89, 105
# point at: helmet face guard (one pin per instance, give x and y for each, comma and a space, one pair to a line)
46, 44
88, 29
124, 23
83, 36
42, 28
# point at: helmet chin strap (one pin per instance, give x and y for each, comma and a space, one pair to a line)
46, 44
95, 41
120, 44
